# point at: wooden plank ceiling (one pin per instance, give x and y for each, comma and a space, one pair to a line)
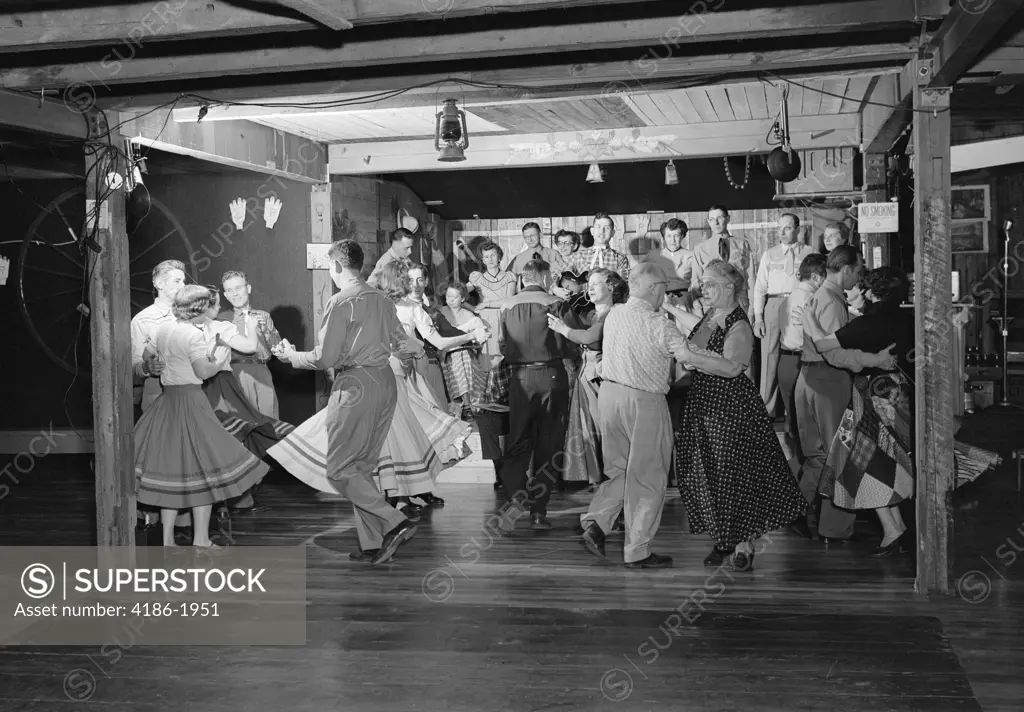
362, 72
713, 104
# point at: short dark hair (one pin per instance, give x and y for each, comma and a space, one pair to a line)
571, 235
400, 234
615, 282
533, 225
796, 219
842, 256
458, 287
490, 245
193, 300
347, 253
718, 206
674, 224
586, 237
232, 274
888, 284
813, 264
604, 216
534, 269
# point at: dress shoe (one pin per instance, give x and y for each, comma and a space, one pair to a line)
891, 549
430, 499
717, 556
392, 540
742, 561
653, 561
363, 554
540, 523
593, 540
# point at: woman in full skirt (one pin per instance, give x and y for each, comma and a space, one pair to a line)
184, 459
422, 442
733, 475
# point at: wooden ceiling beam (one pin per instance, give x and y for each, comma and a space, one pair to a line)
474, 98
964, 36
243, 145
141, 22
887, 110
31, 113
605, 78
727, 138
662, 34
332, 14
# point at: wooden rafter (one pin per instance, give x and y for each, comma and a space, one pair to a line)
470, 98
965, 34
32, 113
142, 22
333, 14
594, 77
573, 35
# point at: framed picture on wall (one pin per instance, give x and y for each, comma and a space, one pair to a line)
970, 235
969, 202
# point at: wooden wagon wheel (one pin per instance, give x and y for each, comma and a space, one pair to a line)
52, 290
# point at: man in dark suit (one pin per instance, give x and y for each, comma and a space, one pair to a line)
538, 397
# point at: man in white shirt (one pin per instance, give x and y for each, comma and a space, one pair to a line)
791, 328
168, 279
533, 250
722, 246
673, 259
776, 279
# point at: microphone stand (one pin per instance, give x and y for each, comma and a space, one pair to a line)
1005, 320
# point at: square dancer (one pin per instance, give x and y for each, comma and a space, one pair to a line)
636, 428
538, 396
360, 332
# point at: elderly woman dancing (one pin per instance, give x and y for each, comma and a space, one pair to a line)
733, 475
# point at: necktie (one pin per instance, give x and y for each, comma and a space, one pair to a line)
723, 248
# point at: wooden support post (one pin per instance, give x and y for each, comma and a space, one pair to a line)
110, 319
323, 287
875, 192
934, 339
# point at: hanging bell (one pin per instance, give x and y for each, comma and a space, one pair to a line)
671, 177
595, 174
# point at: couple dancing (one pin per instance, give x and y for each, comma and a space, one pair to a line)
383, 420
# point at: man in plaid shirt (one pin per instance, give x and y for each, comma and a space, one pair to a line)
600, 255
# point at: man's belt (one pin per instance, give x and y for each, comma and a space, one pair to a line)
791, 352
249, 360
537, 364
779, 296
818, 364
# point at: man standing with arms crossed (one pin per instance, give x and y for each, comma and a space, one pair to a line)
776, 280
360, 332
636, 429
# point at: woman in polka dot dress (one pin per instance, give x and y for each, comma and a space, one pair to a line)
734, 478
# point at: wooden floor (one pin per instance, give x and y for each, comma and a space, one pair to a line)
459, 621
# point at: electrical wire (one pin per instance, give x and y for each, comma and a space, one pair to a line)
851, 98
